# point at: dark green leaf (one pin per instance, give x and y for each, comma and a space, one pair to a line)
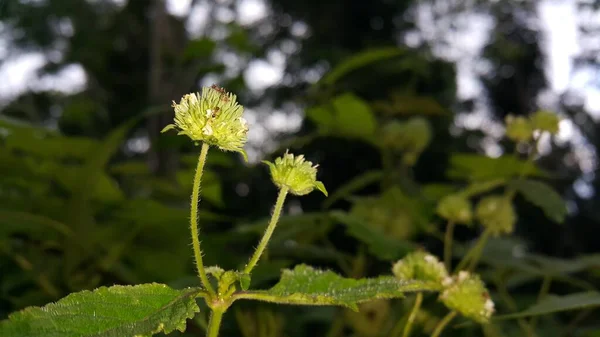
305, 285
476, 167
554, 303
200, 48
352, 186
358, 61
118, 311
543, 196
379, 244
14, 221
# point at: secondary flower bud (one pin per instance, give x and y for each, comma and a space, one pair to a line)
545, 121
410, 137
455, 208
295, 173
518, 128
497, 214
467, 294
420, 266
214, 118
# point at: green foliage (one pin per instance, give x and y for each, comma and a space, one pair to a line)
555, 303
117, 311
379, 244
543, 196
305, 285
346, 116
79, 209
360, 60
476, 167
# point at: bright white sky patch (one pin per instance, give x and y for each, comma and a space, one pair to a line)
250, 11
178, 7
16, 74
560, 40
261, 74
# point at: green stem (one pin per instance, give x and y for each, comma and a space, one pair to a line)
270, 229
442, 324
448, 245
337, 327
474, 253
510, 303
544, 289
214, 323
194, 221
478, 249
413, 315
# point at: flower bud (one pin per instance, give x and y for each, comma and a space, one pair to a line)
497, 214
455, 208
545, 121
296, 174
214, 118
518, 128
410, 137
420, 266
467, 294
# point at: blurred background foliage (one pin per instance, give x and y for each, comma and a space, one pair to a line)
400, 102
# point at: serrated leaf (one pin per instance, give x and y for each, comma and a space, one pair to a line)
554, 303
305, 285
543, 196
118, 311
379, 244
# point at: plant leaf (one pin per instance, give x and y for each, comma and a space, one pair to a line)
543, 196
360, 60
353, 185
353, 116
305, 285
118, 311
477, 167
554, 303
379, 244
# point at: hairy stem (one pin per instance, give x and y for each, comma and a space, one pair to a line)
270, 229
448, 245
214, 323
413, 315
194, 221
442, 324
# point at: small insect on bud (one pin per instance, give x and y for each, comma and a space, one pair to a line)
214, 118
296, 174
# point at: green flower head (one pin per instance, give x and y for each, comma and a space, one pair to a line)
518, 129
296, 174
420, 266
546, 121
455, 208
497, 214
214, 118
467, 294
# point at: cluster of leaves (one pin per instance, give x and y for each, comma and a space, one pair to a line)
385, 226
